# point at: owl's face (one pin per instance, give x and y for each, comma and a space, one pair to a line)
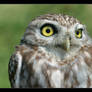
58, 31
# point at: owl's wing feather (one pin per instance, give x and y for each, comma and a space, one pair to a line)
15, 68
87, 53
19, 66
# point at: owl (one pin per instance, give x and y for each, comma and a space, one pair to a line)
54, 52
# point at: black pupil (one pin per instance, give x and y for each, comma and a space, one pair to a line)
48, 30
77, 32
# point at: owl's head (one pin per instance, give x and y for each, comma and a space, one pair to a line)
56, 30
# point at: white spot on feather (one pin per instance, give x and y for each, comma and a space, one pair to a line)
75, 68
17, 81
87, 54
57, 77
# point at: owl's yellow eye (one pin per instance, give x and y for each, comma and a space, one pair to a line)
48, 30
78, 33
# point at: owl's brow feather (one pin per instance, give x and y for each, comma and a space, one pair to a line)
64, 20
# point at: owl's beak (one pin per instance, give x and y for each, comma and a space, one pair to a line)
67, 44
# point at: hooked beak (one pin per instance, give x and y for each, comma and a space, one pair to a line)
67, 44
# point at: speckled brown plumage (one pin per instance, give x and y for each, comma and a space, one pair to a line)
44, 62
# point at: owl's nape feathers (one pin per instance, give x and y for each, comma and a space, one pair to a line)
55, 52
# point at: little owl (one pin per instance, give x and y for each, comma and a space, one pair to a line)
54, 52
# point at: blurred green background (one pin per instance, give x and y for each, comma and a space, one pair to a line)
14, 19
